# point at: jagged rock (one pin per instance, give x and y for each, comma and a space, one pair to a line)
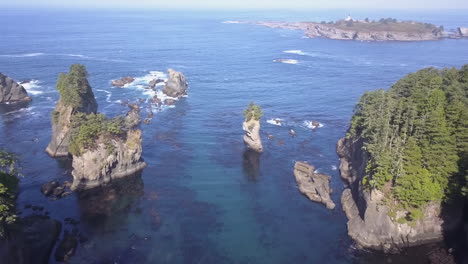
152, 84
132, 119
156, 100
369, 223
48, 188
313, 185
169, 101
66, 248
66, 108
32, 242
176, 85
122, 82
11, 91
58, 191
252, 138
99, 165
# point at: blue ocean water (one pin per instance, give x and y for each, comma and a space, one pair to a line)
200, 200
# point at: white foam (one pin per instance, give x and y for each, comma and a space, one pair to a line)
276, 121
108, 96
24, 55
231, 22
299, 52
333, 167
309, 124
287, 61
32, 87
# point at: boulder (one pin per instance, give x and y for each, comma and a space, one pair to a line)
176, 85
169, 101
315, 186
48, 188
252, 138
152, 84
122, 82
11, 91
463, 31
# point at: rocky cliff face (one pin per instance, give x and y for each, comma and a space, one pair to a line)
11, 91
110, 159
63, 112
252, 138
176, 85
369, 221
313, 185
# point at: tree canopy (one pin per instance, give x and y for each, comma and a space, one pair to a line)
8, 184
416, 134
74, 87
253, 111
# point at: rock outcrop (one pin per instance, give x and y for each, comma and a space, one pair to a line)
252, 138
315, 186
110, 159
122, 82
369, 220
176, 85
75, 97
11, 91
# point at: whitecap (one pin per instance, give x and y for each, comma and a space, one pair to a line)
108, 96
299, 52
24, 55
333, 167
276, 121
231, 22
287, 61
32, 87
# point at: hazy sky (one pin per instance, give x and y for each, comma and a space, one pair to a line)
201, 4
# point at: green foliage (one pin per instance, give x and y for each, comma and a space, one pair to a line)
416, 135
74, 87
87, 129
253, 111
8, 185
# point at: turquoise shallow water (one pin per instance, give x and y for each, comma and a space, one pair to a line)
199, 200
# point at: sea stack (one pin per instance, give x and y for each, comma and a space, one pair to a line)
112, 153
76, 96
315, 186
176, 85
251, 127
11, 91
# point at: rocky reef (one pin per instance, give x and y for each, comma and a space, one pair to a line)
122, 82
76, 96
176, 85
251, 127
11, 91
315, 186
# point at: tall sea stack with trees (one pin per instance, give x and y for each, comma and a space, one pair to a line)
251, 127
76, 96
405, 157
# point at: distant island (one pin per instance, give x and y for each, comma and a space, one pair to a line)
385, 29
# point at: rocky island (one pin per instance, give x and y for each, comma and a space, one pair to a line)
388, 29
103, 149
405, 161
11, 91
313, 185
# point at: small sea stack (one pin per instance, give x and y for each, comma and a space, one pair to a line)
11, 91
251, 127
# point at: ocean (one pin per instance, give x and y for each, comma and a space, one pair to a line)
200, 200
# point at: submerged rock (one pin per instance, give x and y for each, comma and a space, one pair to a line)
32, 242
75, 97
66, 248
315, 186
176, 85
122, 82
48, 188
11, 91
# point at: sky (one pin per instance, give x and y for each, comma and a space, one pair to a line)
242, 4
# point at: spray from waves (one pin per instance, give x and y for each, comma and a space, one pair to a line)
287, 61
299, 52
312, 124
333, 167
24, 55
108, 96
32, 87
276, 121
